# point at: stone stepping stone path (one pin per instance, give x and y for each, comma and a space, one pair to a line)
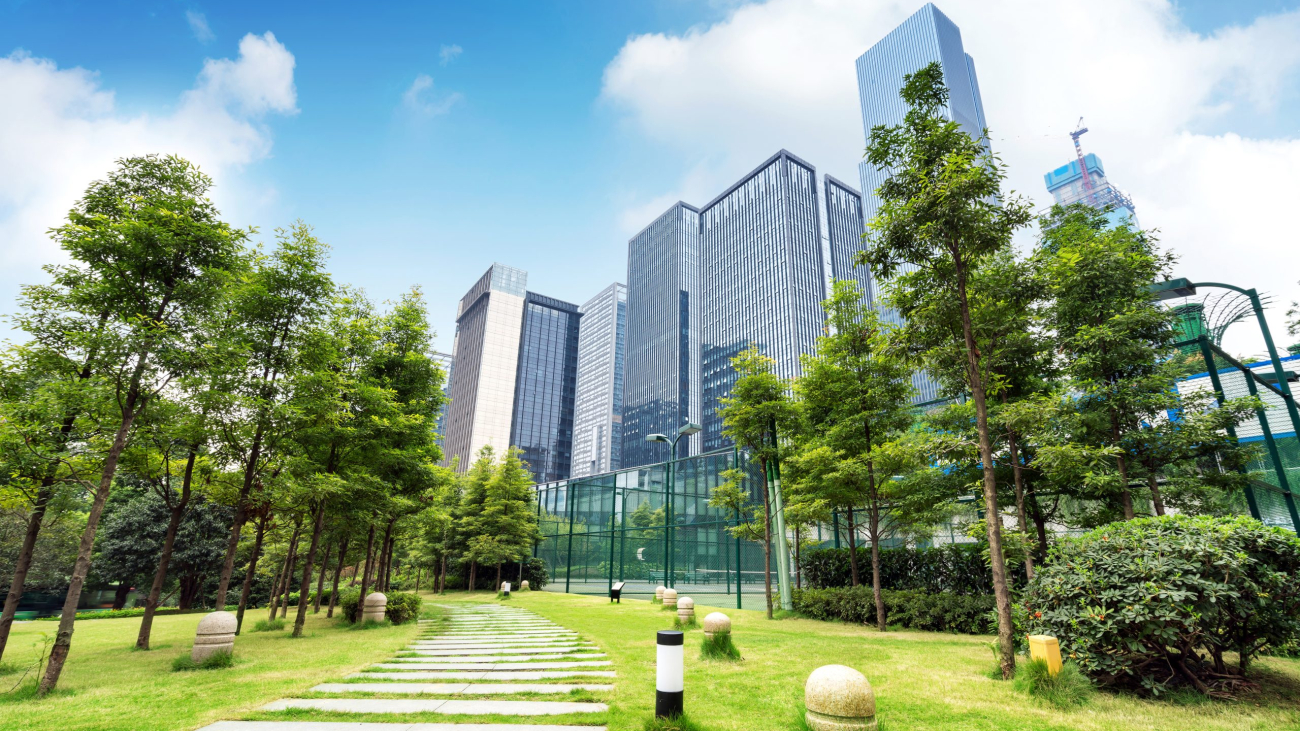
481, 642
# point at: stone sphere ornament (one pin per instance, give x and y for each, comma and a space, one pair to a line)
670, 598
659, 593
717, 623
523, 585
839, 698
686, 610
215, 633
375, 606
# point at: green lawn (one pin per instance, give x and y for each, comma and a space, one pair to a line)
106, 684
922, 681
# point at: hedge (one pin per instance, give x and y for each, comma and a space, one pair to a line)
917, 610
954, 568
402, 606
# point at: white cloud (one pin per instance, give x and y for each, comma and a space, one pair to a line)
199, 26
60, 130
447, 54
419, 98
781, 74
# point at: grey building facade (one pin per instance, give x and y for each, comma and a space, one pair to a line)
924, 38
661, 384
761, 274
598, 406
844, 227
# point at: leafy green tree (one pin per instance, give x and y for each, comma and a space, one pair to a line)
473, 497
150, 258
508, 516
759, 406
855, 399
942, 214
1115, 341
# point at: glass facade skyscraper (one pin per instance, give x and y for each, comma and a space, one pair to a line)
598, 407
545, 386
926, 37
513, 375
1067, 185
661, 386
761, 275
844, 227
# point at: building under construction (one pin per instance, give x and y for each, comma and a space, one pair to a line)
1083, 180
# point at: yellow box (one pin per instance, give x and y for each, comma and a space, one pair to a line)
1046, 648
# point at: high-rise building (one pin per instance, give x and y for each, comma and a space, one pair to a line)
513, 376
844, 227
598, 407
761, 276
926, 37
661, 383
1068, 185
444, 360
546, 383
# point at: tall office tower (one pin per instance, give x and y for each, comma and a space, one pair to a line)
545, 386
661, 384
489, 321
1067, 185
761, 277
515, 370
926, 37
444, 360
844, 227
598, 408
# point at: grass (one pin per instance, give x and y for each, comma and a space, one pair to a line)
720, 647
106, 685
923, 681
271, 625
676, 723
1066, 689
215, 661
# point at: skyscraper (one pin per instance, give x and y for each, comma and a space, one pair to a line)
445, 361
513, 376
926, 37
1067, 185
661, 386
844, 227
761, 277
598, 407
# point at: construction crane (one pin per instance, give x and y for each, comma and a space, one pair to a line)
1088, 192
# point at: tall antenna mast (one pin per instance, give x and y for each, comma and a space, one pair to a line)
1083, 166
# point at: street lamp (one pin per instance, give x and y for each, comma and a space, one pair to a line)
686, 430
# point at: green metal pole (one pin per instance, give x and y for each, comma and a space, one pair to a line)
735, 465
1204, 344
1277, 459
835, 526
622, 539
1282, 385
568, 562
613, 518
782, 542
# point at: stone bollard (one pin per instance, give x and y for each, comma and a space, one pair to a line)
717, 623
215, 633
686, 610
523, 585
839, 698
376, 604
670, 598
659, 593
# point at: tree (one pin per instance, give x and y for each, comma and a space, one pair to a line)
942, 213
1115, 341
855, 398
149, 257
473, 488
508, 516
759, 406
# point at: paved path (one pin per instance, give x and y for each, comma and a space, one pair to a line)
478, 642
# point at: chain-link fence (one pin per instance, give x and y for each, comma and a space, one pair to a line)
1270, 497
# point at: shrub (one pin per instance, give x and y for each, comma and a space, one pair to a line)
1065, 689
1157, 602
720, 647
534, 571
264, 625
403, 607
955, 568
215, 661
349, 599
909, 609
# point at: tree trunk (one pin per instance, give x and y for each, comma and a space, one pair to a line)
1121, 464
241, 514
853, 550
1040, 522
320, 582
169, 541
877, 593
293, 566
1156, 501
473, 574
120, 594
305, 587
191, 587
1001, 593
498, 577
251, 572
365, 575
131, 408
285, 574
24, 564
442, 580
334, 593
417, 580
798, 560
1021, 517
381, 574
767, 541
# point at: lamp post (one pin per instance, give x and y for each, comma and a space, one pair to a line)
685, 431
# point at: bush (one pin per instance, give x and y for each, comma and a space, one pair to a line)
1157, 602
1065, 689
955, 568
272, 625
534, 571
909, 609
349, 599
403, 607
215, 661
719, 648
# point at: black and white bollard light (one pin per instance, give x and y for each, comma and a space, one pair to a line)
670, 671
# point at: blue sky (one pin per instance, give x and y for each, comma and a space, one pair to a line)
425, 141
